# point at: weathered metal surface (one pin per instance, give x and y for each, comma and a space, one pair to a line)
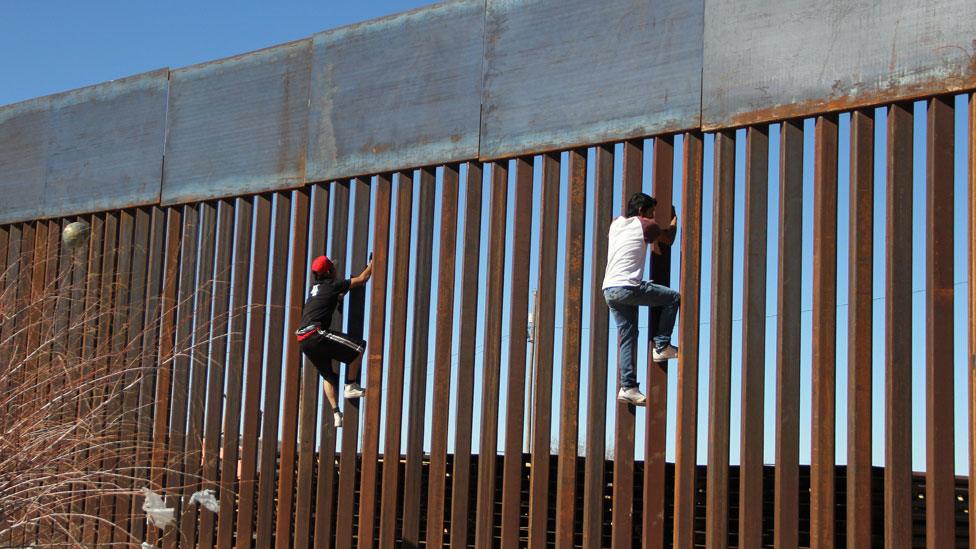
324, 500
274, 345
656, 424
786, 490
518, 287
461, 519
859, 337
544, 321
686, 435
292, 366
720, 360
230, 451
488, 444
753, 338
397, 346
772, 60
308, 407
378, 108
898, 322
377, 333
571, 351
443, 334
940, 497
824, 338
622, 532
596, 411
423, 255
238, 125
258, 311
560, 74
355, 326
90, 149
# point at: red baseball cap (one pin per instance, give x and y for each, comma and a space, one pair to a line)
321, 265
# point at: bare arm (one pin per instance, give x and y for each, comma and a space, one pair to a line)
362, 277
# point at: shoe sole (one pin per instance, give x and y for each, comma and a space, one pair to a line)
628, 401
359, 395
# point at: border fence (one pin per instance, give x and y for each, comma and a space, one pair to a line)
208, 189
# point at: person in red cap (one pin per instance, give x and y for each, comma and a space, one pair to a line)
324, 347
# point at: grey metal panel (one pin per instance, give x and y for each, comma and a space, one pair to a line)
561, 73
767, 60
397, 92
238, 125
90, 149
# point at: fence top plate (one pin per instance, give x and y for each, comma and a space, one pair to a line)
238, 125
94, 148
398, 92
563, 73
768, 60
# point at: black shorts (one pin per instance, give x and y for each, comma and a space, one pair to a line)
325, 349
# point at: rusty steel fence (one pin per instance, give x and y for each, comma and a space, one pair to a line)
198, 296
481, 162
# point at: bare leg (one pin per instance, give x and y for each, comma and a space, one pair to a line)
329, 385
352, 370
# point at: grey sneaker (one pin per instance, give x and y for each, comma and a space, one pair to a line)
631, 395
353, 390
337, 419
666, 353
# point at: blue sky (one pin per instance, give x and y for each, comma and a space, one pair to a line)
58, 45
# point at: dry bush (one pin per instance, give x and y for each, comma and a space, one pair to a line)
77, 394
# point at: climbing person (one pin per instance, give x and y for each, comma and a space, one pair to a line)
326, 348
625, 289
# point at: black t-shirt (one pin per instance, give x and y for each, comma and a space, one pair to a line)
323, 298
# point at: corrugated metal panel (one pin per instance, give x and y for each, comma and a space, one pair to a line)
768, 60
397, 92
90, 149
238, 125
561, 73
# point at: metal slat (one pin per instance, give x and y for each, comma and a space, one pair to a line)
309, 403
940, 497
423, 257
488, 446
374, 380
355, 326
544, 322
292, 366
258, 311
622, 532
518, 326
324, 500
898, 321
447, 264
859, 337
824, 337
272, 388
972, 315
686, 437
572, 339
199, 367
461, 518
164, 375
786, 514
753, 338
720, 361
236, 330
655, 439
596, 412
398, 336
217, 362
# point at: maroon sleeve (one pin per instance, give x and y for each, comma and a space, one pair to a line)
654, 233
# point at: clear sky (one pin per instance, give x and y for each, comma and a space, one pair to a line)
58, 45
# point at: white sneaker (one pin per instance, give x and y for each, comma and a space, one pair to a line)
337, 419
632, 395
667, 353
353, 390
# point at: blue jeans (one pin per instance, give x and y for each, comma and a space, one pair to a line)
623, 302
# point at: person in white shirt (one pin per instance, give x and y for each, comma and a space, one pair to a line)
625, 289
